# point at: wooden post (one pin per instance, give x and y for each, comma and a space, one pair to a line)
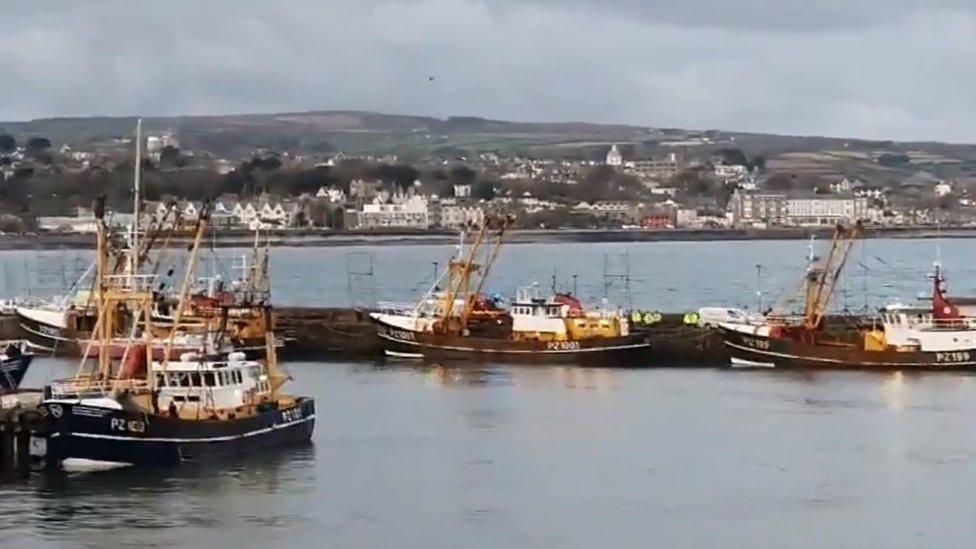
6, 448
22, 440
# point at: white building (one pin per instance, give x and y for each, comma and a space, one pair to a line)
456, 216
826, 210
363, 190
748, 208
614, 158
156, 143
730, 172
615, 210
462, 191
846, 185
82, 222
662, 169
943, 188
685, 217
410, 214
66, 224
334, 195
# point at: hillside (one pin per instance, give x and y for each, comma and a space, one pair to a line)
413, 137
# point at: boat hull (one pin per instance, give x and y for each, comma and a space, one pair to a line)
755, 350
622, 350
48, 338
12, 371
110, 435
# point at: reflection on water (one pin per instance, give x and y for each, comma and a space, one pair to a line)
423, 455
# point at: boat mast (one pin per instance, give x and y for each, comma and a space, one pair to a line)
137, 198
503, 224
187, 279
102, 331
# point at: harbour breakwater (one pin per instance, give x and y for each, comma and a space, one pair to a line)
332, 238
323, 333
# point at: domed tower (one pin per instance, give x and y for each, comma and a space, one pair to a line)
614, 158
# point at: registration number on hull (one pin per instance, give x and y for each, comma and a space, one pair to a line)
950, 357
756, 343
562, 345
126, 425
49, 331
395, 333
294, 414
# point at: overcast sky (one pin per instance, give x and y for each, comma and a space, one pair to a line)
889, 69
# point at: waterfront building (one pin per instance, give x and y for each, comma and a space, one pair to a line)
748, 208
457, 216
685, 217
826, 209
412, 213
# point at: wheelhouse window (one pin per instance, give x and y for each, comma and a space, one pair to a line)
178, 379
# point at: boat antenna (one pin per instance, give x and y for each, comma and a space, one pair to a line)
811, 256
759, 292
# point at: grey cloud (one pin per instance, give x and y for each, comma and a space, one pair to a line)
763, 15
896, 69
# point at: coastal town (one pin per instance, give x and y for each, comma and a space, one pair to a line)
694, 180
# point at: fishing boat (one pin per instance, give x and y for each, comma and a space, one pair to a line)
141, 410
14, 362
460, 321
56, 326
64, 326
941, 339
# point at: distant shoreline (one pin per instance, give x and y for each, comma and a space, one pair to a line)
319, 239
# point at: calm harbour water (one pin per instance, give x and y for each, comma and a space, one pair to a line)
670, 276
408, 455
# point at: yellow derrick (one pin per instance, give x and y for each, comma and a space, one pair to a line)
822, 281
460, 272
